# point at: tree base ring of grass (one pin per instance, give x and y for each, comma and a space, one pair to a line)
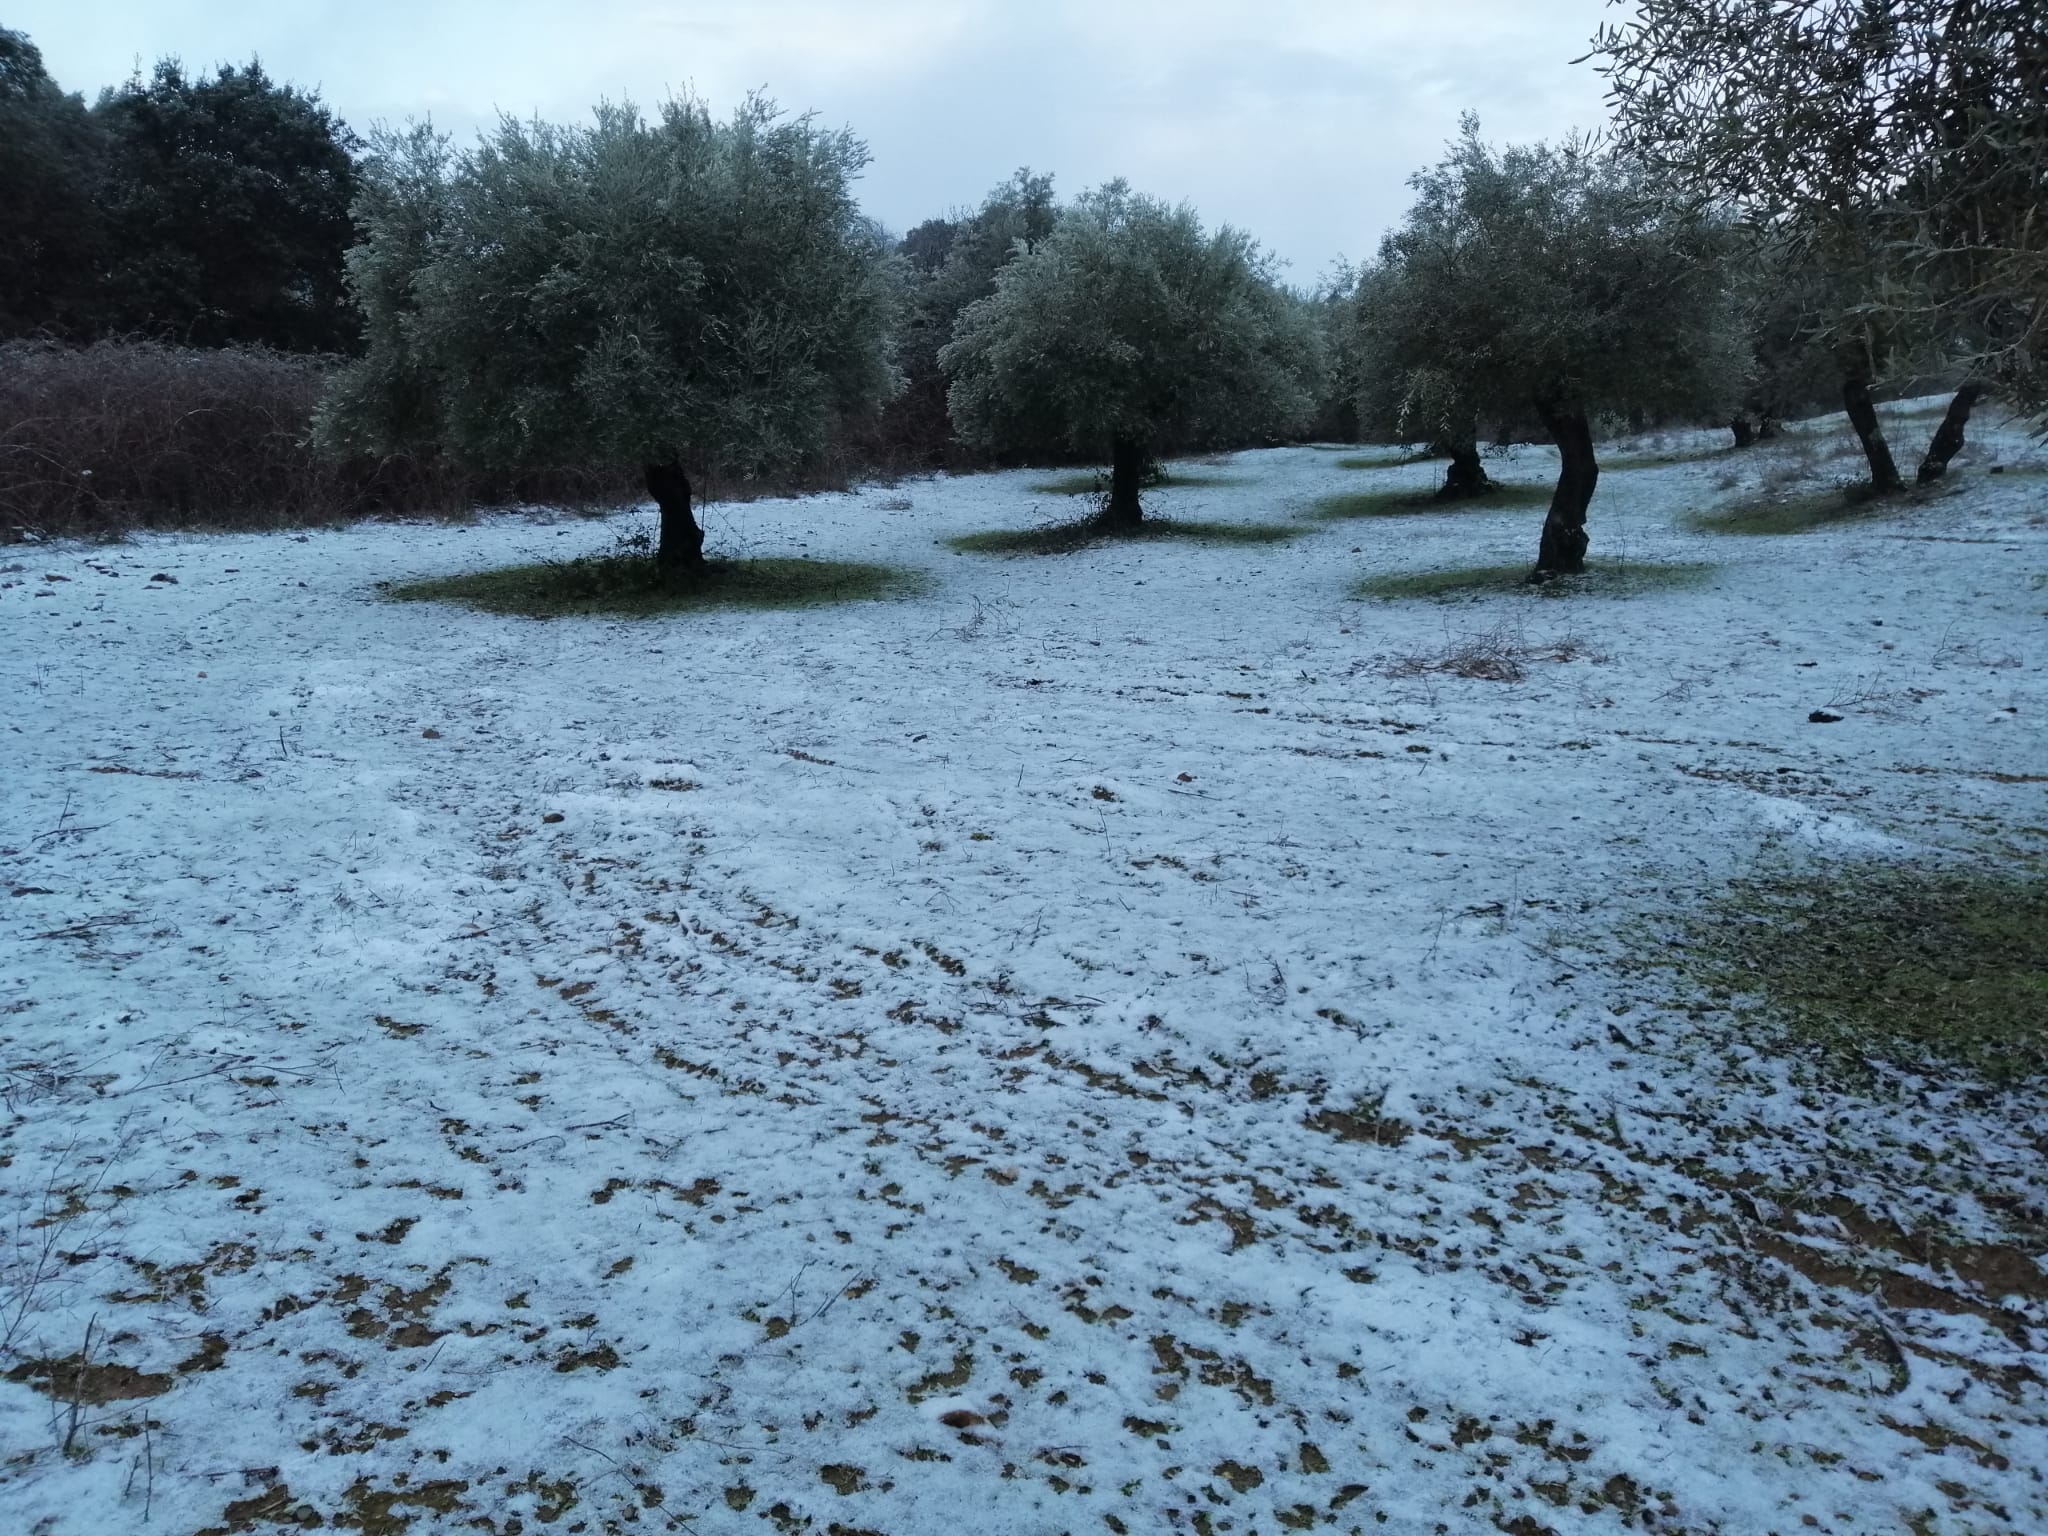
629, 585
1599, 579
1066, 538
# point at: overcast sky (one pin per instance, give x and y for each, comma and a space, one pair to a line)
1298, 120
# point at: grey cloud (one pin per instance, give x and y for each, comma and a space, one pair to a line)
1296, 119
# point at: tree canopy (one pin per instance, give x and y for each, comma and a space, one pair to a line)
1785, 307
952, 263
51, 237
227, 208
1548, 280
681, 294
1127, 331
1911, 134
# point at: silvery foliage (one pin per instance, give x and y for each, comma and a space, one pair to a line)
1129, 321
620, 292
1547, 273
1011, 221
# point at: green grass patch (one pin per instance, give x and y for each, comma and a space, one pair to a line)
1088, 481
1410, 502
1912, 966
1622, 578
626, 585
1064, 538
1804, 511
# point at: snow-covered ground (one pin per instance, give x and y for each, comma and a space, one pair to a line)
1113, 1042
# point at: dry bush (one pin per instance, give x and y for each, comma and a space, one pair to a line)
1498, 655
120, 435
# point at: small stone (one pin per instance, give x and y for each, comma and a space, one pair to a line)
1822, 717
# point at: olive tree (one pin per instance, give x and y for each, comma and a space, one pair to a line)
1553, 282
953, 262
1904, 138
1331, 309
1784, 308
1128, 331
1404, 395
680, 295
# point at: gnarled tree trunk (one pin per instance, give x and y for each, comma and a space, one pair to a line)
1466, 476
681, 549
1884, 474
1126, 469
1563, 549
1948, 437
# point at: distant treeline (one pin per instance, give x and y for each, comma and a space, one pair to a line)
217, 303
202, 210
173, 296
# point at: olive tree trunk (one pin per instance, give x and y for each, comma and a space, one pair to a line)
1884, 474
1563, 549
1948, 437
1126, 469
681, 549
1466, 476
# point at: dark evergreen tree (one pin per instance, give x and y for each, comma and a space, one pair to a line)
953, 263
51, 240
226, 199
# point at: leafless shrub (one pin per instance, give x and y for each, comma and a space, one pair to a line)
1871, 696
1498, 655
989, 620
1792, 464
102, 439
1969, 652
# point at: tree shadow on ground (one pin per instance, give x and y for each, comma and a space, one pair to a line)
1778, 512
1620, 578
1065, 538
1084, 482
629, 586
1407, 501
